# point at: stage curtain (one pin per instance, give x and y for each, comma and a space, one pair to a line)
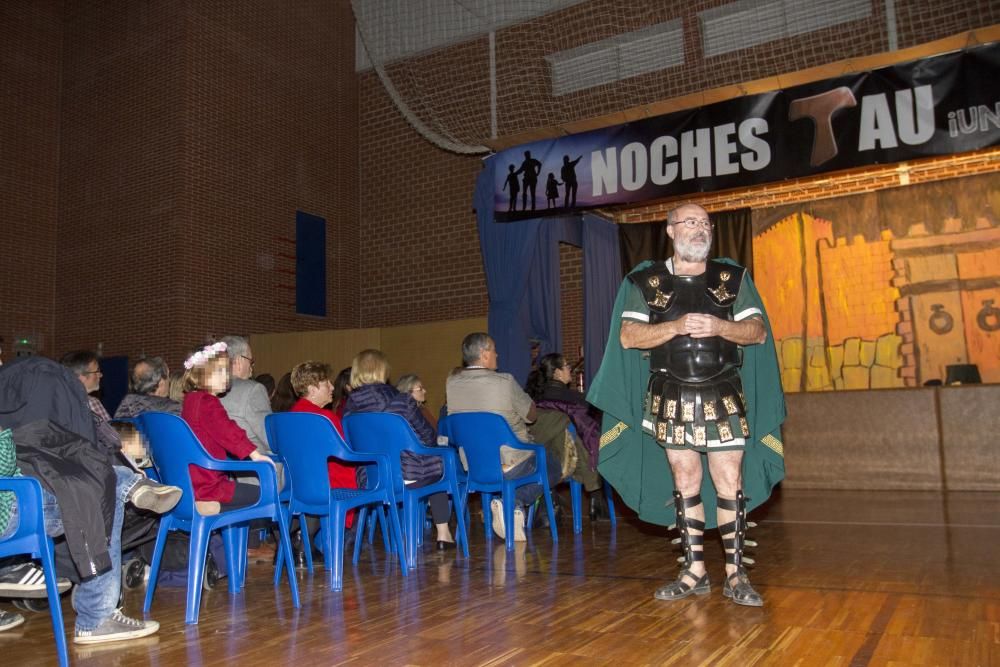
602, 271
521, 260
508, 250
732, 237
641, 241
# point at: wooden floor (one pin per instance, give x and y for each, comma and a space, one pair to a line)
849, 578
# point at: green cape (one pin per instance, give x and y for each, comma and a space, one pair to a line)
636, 465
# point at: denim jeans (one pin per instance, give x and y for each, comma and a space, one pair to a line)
526, 495
96, 598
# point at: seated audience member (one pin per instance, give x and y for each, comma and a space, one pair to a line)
341, 388
414, 386
284, 396
147, 494
150, 382
84, 492
370, 392
478, 387
267, 380
206, 377
246, 402
549, 387
176, 390
19, 578
311, 380
134, 449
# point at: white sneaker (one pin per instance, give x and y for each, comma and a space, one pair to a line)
154, 497
519, 535
115, 628
496, 508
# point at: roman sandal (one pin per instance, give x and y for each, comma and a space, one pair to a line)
687, 582
737, 586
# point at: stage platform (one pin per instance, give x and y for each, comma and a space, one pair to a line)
849, 578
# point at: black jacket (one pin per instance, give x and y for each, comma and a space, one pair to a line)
46, 407
134, 405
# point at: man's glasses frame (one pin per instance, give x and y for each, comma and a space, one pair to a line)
695, 223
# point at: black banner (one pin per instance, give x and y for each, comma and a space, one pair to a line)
936, 106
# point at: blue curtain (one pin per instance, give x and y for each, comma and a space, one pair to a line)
602, 271
522, 275
508, 254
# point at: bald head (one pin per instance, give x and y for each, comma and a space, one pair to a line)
151, 376
685, 211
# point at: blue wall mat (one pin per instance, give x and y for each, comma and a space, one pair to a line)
310, 264
114, 381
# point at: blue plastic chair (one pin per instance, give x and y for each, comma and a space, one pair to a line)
306, 442
480, 435
376, 518
30, 538
462, 474
285, 494
390, 434
175, 447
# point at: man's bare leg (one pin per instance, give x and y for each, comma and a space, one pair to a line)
727, 476
686, 467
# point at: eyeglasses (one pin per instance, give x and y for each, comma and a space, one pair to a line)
250, 359
97, 372
694, 223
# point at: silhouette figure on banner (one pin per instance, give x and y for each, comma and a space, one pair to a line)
530, 168
514, 186
568, 173
552, 190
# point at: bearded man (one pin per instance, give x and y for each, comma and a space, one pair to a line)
690, 368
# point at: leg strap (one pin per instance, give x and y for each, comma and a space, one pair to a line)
734, 533
686, 524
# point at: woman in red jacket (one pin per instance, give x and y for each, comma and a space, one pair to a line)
312, 382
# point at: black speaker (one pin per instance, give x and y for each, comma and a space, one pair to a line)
962, 374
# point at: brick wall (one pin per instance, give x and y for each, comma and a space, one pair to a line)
571, 284
191, 134
450, 85
420, 252
30, 65
271, 128
121, 214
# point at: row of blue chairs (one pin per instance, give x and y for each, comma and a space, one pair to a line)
303, 443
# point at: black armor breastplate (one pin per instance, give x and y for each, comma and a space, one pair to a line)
671, 297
